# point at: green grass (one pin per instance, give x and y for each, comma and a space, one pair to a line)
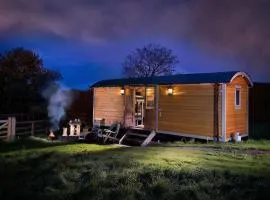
262, 145
260, 130
37, 169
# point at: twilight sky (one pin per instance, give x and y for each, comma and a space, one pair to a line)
87, 40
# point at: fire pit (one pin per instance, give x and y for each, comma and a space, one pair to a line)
51, 135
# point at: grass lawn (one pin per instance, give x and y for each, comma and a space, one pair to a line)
37, 169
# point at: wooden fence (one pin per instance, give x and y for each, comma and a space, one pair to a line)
27, 128
3, 129
9, 129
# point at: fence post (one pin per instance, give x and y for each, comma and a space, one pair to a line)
11, 129
13, 134
33, 128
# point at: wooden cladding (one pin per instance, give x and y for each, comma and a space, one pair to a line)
189, 110
216, 111
150, 111
150, 98
109, 104
237, 116
129, 118
203, 110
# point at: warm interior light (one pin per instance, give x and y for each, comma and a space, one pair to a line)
122, 91
170, 91
149, 91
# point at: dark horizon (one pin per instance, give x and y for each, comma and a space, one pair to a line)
88, 41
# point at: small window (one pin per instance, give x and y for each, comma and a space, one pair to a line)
237, 97
150, 98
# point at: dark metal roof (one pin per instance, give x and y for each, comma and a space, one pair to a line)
196, 78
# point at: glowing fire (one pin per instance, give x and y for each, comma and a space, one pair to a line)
51, 135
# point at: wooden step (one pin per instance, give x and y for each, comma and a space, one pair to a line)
140, 138
148, 139
137, 134
134, 140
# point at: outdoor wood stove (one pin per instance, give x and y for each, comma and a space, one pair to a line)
74, 128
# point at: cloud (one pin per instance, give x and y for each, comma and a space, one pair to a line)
235, 28
238, 28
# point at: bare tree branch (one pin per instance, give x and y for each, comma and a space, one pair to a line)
150, 60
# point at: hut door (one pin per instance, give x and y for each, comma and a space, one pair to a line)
129, 107
139, 112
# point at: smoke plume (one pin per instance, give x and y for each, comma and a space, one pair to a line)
59, 99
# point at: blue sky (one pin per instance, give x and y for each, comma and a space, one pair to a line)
88, 40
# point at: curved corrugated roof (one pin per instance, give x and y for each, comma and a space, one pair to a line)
196, 78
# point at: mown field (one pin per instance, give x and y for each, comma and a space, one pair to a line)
37, 169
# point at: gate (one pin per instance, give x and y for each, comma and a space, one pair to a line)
8, 129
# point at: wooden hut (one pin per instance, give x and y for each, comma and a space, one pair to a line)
203, 105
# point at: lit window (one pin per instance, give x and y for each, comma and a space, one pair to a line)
122, 91
170, 91
237, 97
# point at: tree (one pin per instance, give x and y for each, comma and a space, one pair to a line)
150, 60
22, 78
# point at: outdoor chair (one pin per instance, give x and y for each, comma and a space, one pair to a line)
110, 133
84, 133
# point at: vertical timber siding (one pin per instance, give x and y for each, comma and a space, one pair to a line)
129, 107
220, 111
189, 110
109, 104
237, 118
150, 113
150, 119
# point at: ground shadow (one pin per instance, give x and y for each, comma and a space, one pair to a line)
29, 143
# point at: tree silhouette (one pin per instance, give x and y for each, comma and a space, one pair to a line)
150, 60
22, 78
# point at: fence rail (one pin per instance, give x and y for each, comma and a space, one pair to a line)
9, 128
25, 128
